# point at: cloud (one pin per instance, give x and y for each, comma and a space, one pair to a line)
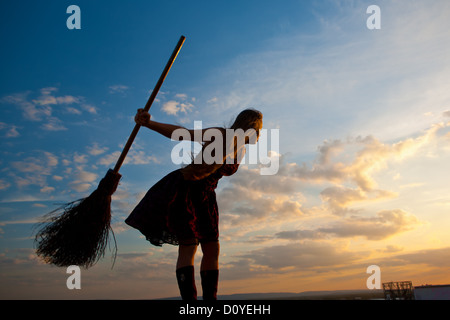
356, 160
342, 175
47, 99
47, 189
4, 184
252, 180
52, 160
322, 249
34, 170
41, 108
437, 258
180, 105
182, 96
30, 165
347, 169
118, 89
307, 255
385, 224
82, 180
53, 124
249, 196
133, 157
213, 100
89, 108
80, 158
48, 91
73, 110
80, 187
48, 171
300, 235
339, 198
30, 111
96, 150
85, 176
172, 107
11, 130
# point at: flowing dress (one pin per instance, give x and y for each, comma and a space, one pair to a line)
179, 211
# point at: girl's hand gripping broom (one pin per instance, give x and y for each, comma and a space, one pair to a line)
79, 235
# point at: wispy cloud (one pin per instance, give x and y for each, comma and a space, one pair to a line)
308, 256
383, 225
89, 108
30, 111
53, 124
118, 89
82, 180
11, 130
173, 107
47, 98
96, 150
137, 157
34, 170
4, 184
42, 108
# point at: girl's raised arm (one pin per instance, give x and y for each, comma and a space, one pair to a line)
143, 118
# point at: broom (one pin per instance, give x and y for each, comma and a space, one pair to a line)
78, 233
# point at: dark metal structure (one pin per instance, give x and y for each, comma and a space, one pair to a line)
402, 290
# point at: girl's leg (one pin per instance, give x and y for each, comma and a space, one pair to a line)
186, 255
210, 260
209, 269
185, 272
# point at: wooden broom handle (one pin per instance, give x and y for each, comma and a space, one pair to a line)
149, 103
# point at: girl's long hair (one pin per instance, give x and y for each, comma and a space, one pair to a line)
247, 126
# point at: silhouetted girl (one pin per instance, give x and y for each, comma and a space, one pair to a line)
181, 209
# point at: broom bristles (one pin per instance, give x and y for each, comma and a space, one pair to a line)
78, 232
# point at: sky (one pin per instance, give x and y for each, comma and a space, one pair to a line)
363, 117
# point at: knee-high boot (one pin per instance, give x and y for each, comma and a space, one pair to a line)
186, 283
210, 281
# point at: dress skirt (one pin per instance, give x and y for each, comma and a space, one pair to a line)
178, 211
